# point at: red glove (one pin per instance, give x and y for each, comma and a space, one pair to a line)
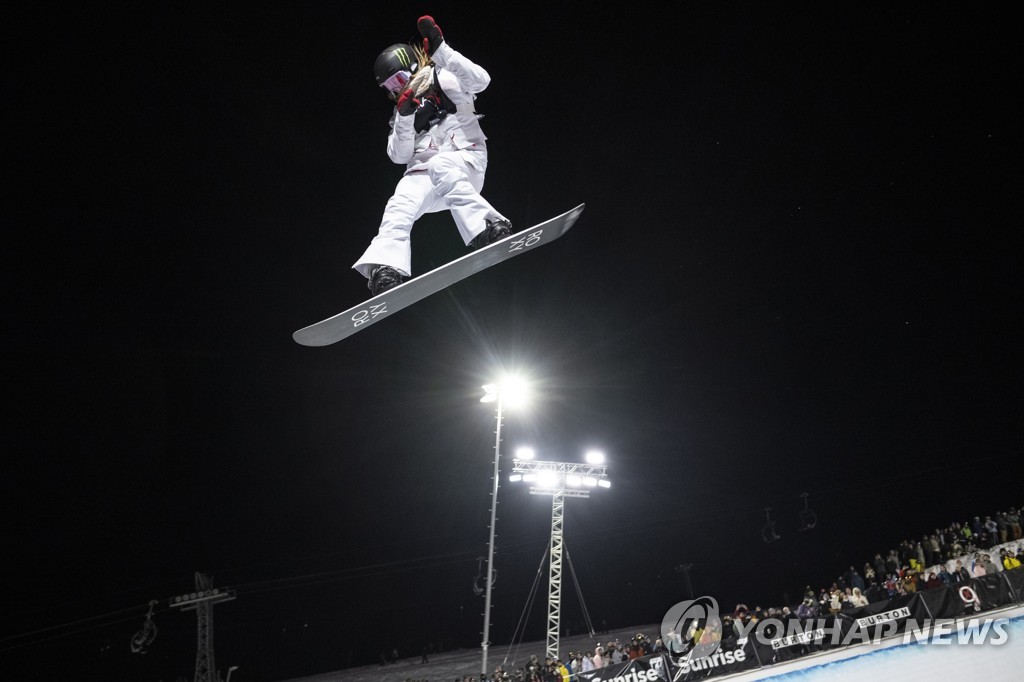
407, 104
431, 33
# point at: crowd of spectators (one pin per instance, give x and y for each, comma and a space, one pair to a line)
947, 556
561, 670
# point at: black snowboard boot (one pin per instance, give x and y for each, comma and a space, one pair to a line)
382, 278
496, 230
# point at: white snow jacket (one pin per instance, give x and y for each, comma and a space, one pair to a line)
460, 79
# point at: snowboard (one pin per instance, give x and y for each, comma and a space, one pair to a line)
355, 319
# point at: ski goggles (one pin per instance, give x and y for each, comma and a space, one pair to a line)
396, 82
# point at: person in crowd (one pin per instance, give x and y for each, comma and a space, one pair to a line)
1001, 527
857, 599
551, 672
978, 568
599, 657
990, 568
729, 633
960, 573
932, 581
646, 647
587, 664
944, 575
943, 537
1010, 562
835, 601
892, 562
880, 569
876, 592
991, 531
854, 579
934, 550
1013, 524
807, 609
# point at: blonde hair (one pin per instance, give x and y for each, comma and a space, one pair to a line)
424, 76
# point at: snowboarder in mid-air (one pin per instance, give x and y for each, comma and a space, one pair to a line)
436, 132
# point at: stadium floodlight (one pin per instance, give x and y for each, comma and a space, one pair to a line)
559, 480
515, 392
490, 393
595, 457
512, 391
525, 453
547, 479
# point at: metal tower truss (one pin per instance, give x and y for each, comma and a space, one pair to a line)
572, 480
560, 480
555, 574
201, 601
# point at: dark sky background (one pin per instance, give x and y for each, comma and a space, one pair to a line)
796, 272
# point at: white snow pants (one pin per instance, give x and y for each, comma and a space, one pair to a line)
451, 181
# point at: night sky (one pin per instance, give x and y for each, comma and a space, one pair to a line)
796, 272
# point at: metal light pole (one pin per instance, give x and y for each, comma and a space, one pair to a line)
493, 393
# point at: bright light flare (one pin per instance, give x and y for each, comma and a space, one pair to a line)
515, 392
605, 483
525, 453
547, 479
595, 457
512, 391
515, 478
573, 481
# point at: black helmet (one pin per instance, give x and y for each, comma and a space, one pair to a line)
398, 57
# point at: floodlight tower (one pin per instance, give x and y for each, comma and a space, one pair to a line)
560, 480
511, 392
201, 601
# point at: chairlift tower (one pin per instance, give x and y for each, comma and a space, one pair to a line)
201, 601
560, 480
